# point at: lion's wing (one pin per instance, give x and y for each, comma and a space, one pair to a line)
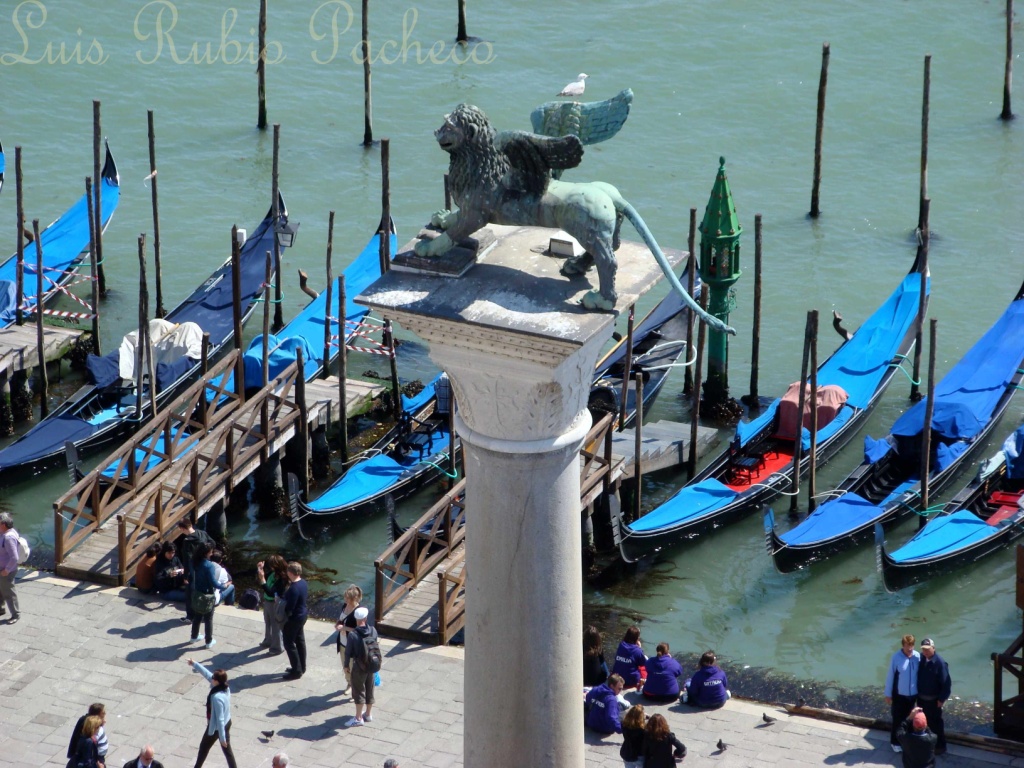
532, 157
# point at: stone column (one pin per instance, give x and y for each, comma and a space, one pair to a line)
520, 353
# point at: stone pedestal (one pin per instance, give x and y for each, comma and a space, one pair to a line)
520, 353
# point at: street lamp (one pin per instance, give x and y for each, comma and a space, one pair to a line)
286, 232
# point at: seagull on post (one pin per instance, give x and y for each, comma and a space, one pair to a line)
576, 87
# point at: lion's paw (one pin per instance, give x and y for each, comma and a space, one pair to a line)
594, 300
577, 265
439, 245
440, 218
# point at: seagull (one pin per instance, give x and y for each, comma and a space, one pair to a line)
768, 720
268, 734
721, 745
575, 88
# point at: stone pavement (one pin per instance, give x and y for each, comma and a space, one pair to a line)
77, 643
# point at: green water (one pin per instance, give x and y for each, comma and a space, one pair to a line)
726, 78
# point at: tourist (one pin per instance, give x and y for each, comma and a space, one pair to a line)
218, 715
170, 573
346, 623
709, 687
293, 632
595, 669
274, 585
661, 747
87, 750
95, 710
8, 567
146, 759
663, 673
602, 706
280, 760
933, 689
358, 646
630, 660
188, 544
901, 686
391, 763
145, 571
225, 587
632, 749
916, 741
204, 594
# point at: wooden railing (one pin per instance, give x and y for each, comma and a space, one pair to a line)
416, 552
451, 597
98, 495
597, 457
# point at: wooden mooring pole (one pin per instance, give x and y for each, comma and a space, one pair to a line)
461, 36
638, 426
691, 267
926, 433
922, 247
385, 204
158, 277
812, 457
275, 183
367, 100
303, 425
94, 282
261, 70
1007, 113
148, 348
325, 372
267, 277
925, 101
627, 368
236, 311
140, 335
396, 390
754, 398
97, 175
342, 371
819, 131
697, 374
42, 382
19, 296
794, 498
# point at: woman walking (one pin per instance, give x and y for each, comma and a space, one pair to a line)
218, 715
274, 584
87, 751
345, 624
204, 594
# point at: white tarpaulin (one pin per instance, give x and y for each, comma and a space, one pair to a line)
170, 343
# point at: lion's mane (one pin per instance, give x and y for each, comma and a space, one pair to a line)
477, 166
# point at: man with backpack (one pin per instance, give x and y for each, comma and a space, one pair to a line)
363, 657
188, 543
10, 557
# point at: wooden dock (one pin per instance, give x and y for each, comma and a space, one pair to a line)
189, 463
664, 444
20, 352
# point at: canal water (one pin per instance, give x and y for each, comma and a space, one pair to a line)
731, 78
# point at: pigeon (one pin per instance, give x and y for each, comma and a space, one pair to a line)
721, 745
768, 720
801, 703
268, 734
575, 88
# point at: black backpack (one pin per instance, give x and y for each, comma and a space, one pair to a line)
371, 652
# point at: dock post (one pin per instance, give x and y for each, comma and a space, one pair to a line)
926, 433
303, 427
691, 268
236, 308
697, 375
42, 382
266, 322
342, 371
638, 426
158, 277
367, 100
798, 440
19, 312
6, 414
148, 337
95, 281
819, 131
754, 399
1007, 113
923, 237
461, 36
261, 70
204, 368
812, 457
396, 389
627, 368
97, 175
325, 370
925, 100
385, 204
275, 180
140, 340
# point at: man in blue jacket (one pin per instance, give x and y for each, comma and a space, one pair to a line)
602, 705
933, 689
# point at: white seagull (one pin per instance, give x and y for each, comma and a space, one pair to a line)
575, 88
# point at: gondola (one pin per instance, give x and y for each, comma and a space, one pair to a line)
64, 243
2, 164
758, 463
305, 331
104, 411
886, 487
983, 518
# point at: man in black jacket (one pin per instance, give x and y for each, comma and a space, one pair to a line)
146, 759
917, 741
188, 544
933, 689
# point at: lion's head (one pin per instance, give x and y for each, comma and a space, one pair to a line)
467, 135
466, 126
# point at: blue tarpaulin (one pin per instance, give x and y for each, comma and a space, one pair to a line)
945, 535
691, 503
835, 518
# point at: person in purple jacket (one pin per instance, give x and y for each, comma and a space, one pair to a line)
602, 705
663, 673
709, 687
630, 661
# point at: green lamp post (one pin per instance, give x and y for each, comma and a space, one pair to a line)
719, 268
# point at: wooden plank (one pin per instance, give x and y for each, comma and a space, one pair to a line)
18, 350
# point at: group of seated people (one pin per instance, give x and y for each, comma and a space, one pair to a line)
657, 678
161, 571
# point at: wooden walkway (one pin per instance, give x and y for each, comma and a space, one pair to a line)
189, 459
20, 352
663, 444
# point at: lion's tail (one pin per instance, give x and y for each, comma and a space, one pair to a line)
641, 227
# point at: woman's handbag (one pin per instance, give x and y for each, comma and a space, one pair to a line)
280, 610
203, 602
